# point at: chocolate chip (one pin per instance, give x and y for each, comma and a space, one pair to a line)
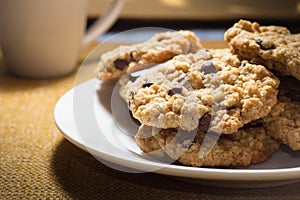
204, 122
175, 90
208, 67
264, 45
120, 63
147, 84
259, 42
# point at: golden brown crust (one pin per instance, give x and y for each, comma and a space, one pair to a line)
273, 46
158, 49
247, 146
179, 93
283, 123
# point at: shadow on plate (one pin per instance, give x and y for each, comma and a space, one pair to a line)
104, 94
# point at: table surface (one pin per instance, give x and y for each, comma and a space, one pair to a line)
36, 162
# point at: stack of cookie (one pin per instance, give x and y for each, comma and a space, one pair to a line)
212, 107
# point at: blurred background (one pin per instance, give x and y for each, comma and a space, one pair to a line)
189, 14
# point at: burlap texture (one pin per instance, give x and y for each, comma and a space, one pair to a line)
36, 162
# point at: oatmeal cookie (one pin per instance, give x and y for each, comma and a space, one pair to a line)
283, 123
247, 146
158, 49
148, 143
273, 46
145, 139
210, 85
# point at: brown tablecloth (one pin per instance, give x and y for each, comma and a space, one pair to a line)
36, 162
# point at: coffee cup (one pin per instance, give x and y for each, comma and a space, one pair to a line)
43, 38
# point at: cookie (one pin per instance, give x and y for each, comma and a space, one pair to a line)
148, 143
272, 46
210, 87
283, 123
247, 146
158, 49
145, 139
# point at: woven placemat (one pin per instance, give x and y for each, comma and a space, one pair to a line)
36, 162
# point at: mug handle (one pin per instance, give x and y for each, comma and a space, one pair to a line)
103, 23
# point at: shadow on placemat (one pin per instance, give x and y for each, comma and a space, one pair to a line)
81, 176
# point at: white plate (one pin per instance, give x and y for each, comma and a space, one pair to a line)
84, 115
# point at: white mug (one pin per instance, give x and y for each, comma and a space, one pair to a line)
43, 38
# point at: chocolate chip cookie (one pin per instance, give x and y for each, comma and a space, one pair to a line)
272, 46
158, 49
210, 85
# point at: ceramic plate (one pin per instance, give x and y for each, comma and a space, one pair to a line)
94, 117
